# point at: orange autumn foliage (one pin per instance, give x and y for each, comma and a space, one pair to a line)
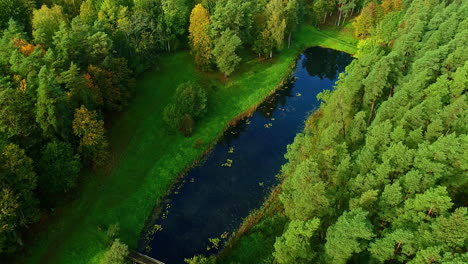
25, 47
21, 84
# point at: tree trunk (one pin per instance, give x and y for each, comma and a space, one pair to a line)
391, 92
169, 45
325, 17
371, 111
352, 11
430, 212
289, 40
339, 19
343, 127
397, 248
271, 53
362, 97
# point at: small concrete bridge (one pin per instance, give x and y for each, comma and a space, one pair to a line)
139, 258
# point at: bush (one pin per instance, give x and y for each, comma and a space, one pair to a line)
191, 99
189, 104
116, 254
172, 117
113, 231
187, 124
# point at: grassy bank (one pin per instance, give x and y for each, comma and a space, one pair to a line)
146, 160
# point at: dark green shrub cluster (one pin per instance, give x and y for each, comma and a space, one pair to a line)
188, 105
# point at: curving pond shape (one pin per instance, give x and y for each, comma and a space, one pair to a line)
236, 176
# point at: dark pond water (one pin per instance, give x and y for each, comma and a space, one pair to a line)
235, 177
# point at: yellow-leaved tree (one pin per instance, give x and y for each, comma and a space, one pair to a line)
365, 22
200, 39
93, 141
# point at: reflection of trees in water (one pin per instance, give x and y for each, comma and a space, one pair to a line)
267, 108
233, 132
325, 63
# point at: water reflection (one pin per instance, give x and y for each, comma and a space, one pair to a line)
325, 63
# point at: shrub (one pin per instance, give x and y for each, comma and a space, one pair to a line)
172, 117
116, 254
113, 231
191, 99
189, 104
187, 124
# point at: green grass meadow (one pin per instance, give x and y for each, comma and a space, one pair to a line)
146, 160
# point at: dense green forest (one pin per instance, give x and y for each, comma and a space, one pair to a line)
379, 174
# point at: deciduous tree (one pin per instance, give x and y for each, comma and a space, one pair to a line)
91, 132
225, 51
58, 167
17, 202
199, 36
46, 21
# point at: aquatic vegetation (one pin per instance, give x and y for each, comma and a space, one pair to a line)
155, 229
224, 235
214, 243
228, 163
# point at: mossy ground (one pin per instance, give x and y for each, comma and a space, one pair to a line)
146, 160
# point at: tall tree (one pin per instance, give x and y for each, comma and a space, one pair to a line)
294, 245
225, 51
17, 202
176, 14
91, 132
348, 236
58, 168
199, 36
276, 24
19, 10
293, 18
78, 88
235, 16
52, 113
46, 21
303, 193
366, 20
16, 114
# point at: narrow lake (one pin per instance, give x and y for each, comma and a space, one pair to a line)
236, 176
